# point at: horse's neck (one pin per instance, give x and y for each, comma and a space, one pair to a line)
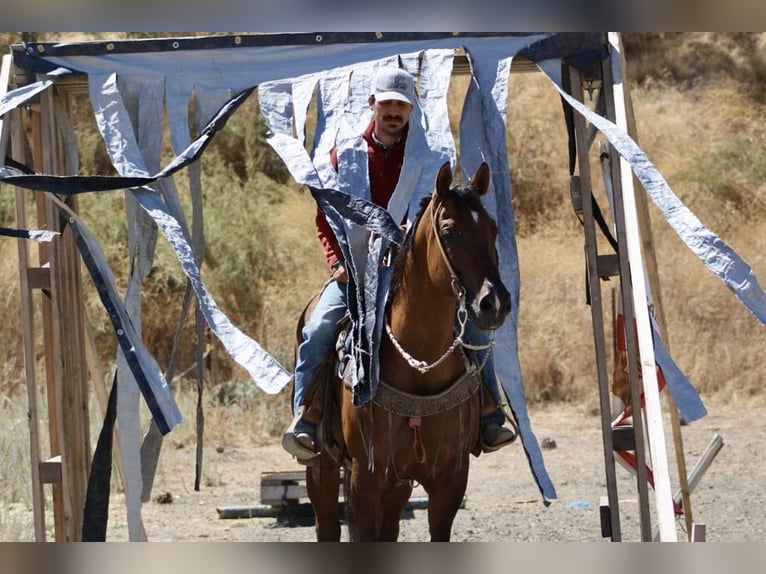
422, 319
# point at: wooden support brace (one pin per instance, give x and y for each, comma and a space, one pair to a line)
50, 470
712, 450
39, 277
704, 462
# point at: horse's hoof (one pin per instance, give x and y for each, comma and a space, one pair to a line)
494, 437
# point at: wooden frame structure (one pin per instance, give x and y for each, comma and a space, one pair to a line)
56, 277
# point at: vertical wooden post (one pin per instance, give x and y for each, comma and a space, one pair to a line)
28, 338
44, 257
619, 100
652, 274
63, 336
610, 510
652, 409
68, 336
626, 297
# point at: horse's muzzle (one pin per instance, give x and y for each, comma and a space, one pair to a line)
491, 306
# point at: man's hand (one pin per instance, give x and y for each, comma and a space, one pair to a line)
339, 273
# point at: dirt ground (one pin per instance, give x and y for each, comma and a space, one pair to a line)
502, 502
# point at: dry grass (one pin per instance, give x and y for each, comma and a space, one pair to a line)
714, 339
300, 253
15, 519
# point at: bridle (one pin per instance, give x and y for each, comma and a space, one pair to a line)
462, 313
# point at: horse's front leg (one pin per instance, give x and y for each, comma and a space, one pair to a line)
444, 500
364, 506
395, 501
322, 486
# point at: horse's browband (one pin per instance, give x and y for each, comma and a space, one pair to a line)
407, 404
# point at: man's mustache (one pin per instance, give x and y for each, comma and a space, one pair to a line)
393, 117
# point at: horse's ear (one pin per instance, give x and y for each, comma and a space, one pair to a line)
480, 179
444, 178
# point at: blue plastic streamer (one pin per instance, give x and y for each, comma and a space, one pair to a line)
40, 235
142, 365
483, 139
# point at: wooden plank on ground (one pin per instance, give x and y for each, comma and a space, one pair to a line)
283, 489
267, 510
279, 488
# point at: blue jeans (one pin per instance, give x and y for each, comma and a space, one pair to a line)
320, 334
475, 336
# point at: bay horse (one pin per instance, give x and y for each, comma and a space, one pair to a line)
424, 421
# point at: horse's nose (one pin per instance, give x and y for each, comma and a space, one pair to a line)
494, 304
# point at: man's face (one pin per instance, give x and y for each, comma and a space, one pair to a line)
390, 117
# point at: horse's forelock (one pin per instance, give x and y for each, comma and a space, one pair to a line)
468, 195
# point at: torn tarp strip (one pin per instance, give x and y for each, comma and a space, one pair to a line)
195, 148
577, 49
360, 295
71, 184
74, 184
265, 371
96, 508
19, 96
33, 234
341, 229
142, 365
483, 139
684, 394
360, 212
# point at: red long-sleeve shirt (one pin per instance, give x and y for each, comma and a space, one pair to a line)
384, 166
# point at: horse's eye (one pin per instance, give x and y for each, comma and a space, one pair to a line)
448, 234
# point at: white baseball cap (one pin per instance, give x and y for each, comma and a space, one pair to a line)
394, 84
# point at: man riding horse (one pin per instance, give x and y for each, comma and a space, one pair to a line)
391, 102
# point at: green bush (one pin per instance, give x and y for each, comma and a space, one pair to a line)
240, 254
733, 174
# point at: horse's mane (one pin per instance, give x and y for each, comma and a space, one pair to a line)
465, 194
404, 249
